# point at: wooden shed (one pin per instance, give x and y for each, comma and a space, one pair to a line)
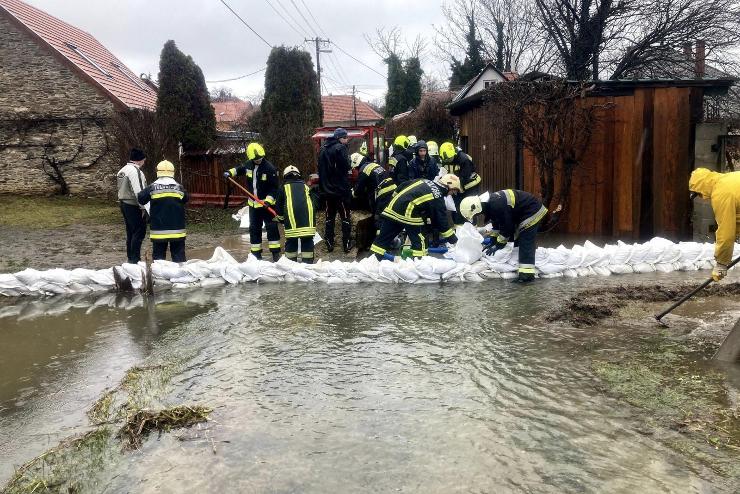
634, 178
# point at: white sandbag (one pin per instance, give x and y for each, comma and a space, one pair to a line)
620, 269
10, 282
134, 272
643, 268
231, 273
209, 282
103, 277
28, 277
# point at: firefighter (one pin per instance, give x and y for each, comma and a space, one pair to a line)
296, 210
459, 163
363, 152
168, 200
723, 191
401, 155
262, 181
369, 176
334, 169
412, 203
131, 181
514, 215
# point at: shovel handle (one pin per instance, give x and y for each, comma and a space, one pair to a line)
691, 293
252, 196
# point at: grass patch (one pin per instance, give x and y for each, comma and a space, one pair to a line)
56, 211
676, 393
68, 467
141, 423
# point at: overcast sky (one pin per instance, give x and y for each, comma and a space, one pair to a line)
135, 30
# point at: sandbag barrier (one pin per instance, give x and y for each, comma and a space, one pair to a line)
464, 263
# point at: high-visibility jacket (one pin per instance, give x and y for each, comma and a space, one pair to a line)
295, 208
383, 194
723, 190
167, 211
417, 200
462, 165
262, 181
368, 179
510, 211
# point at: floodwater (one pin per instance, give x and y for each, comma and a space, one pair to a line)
316, 388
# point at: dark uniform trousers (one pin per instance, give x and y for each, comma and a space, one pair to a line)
306, 244
337, 205
390, 229
177, 249
257, 218
135, 231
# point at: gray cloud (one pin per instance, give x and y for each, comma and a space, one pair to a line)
135, 30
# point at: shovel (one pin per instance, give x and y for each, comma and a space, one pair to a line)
693, 292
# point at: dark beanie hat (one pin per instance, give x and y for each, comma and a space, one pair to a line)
136, 155
340, 133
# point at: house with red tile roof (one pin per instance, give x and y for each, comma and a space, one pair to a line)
347, 111
59, 91
232, 112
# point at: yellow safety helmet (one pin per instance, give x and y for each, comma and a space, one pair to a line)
450, 181
255, 151
291, 169
401, 142
447, 152
356, 159
165, 169
470, 206
412, 140
433, 148
363, 148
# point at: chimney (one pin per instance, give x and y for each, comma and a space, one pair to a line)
687, 52
701, 48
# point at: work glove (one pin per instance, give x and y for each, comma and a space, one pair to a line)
452, 239
719, 271
227, 174
493, 248
487, 241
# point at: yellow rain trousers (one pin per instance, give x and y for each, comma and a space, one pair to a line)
723, 190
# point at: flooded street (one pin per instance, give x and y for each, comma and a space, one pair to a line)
367, 388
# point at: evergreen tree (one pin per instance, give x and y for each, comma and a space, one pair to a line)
291, 108
183, 101
394, 99
500, 64
473, 63
412, 82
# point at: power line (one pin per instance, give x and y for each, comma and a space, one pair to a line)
284, 18
356, 60
240, 77
314, 18
300, 12
245, 23
293, 19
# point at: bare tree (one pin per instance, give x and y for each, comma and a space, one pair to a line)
144, 130
555, 121
509, 29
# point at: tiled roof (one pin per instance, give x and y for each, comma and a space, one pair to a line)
86, 55
339, 109
232, 110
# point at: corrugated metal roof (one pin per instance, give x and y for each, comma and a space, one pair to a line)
86, 54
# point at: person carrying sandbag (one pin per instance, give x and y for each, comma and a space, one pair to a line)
412, 203
168, 200
296, 210
515, 215
723, 190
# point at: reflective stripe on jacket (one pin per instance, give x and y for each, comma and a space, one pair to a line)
417, 200
167, 210
295, 208
264, 176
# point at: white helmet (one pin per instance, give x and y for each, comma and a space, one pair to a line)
356, 159
470, 206
450, 181
291, 169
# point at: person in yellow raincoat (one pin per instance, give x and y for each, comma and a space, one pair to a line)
723, 190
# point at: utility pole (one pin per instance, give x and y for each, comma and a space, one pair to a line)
318, 42
354, 104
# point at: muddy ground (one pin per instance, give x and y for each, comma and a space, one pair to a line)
54, 232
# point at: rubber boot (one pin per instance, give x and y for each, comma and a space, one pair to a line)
275, 256
329, 235
258, 255
347, 242
524, 278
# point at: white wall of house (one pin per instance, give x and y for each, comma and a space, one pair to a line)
490, 75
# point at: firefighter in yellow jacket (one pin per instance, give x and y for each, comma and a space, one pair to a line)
723, 191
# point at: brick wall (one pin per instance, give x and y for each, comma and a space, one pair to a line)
47, 113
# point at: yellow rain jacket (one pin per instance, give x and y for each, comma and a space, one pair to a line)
723, 190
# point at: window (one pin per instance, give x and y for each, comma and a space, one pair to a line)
89, 60
131, 78
488, 84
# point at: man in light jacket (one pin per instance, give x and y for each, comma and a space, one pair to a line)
131, 181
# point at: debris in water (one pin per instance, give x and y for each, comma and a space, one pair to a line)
139, 424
